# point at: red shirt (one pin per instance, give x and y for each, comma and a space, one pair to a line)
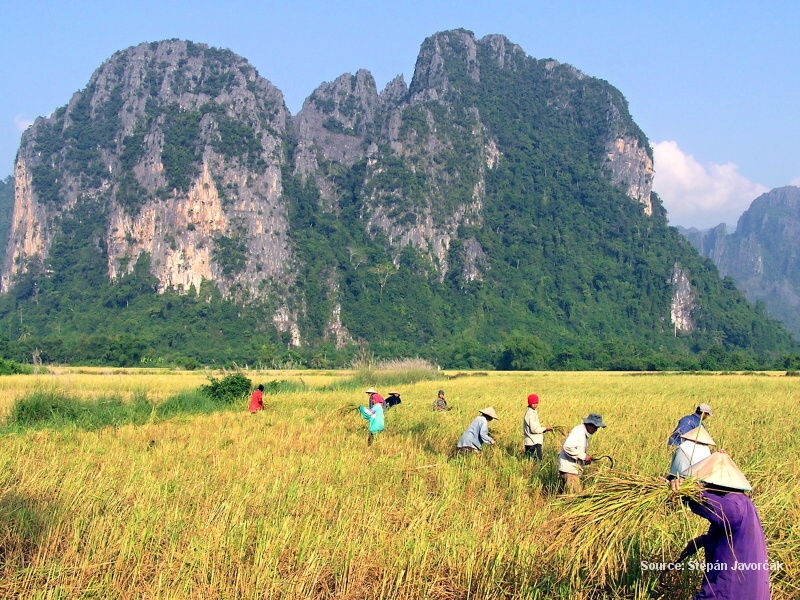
256, 401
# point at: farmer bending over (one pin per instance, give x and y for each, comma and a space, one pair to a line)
688, 423
736, 564
257, 400
695, 446
375, 417
573, 456
477, 433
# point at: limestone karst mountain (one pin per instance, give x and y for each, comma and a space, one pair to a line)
495, 212
763, 255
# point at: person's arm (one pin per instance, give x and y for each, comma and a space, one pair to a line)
483, 433
725, 515
533, 422
692, 547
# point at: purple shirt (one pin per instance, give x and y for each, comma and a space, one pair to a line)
735, 539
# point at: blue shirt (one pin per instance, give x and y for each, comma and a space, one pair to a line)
685, 425
476, 434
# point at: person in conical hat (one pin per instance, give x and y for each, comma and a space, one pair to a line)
720, 472
736, 563
477, 433
373, 414
374, 397
696, 446
573, 456
393, 399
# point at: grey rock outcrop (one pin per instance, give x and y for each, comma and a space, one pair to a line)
225, 195
763, 255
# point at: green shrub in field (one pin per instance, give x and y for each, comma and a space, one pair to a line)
57, 409
229, 389
191, 402
9, 367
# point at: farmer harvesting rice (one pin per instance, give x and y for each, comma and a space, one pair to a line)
257, 400
374, 397
477, 433
573, 456
374, 415
736, 565
695, 446
532, 430
393, 399
689, 422
440, 404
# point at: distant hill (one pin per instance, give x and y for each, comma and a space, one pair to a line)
495, 213
763, 255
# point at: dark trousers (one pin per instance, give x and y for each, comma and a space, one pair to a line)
534, 452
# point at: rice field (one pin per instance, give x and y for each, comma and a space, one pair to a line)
292, 503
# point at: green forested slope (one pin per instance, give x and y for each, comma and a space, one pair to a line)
573, 273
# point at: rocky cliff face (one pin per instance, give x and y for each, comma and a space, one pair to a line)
409, 137
187, 151
763, 255
183, 145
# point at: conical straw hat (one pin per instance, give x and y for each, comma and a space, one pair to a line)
489, 412
719, 469
699, 435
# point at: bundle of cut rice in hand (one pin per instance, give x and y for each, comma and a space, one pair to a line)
602, 527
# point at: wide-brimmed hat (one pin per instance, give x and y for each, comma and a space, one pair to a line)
489, 412
394, 392
720, 470
705, 408
533, 399
371, 391
699, 435
594, 419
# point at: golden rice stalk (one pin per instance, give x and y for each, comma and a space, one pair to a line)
601, 527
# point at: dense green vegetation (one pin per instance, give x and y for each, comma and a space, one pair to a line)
571, 274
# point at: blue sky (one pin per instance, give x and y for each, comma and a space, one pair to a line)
714, 85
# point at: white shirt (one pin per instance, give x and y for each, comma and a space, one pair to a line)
689, 453
573, 452
532, 429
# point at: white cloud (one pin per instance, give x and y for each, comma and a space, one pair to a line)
697, 195
21, 123
795, 181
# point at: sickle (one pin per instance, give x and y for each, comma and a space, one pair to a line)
611, 460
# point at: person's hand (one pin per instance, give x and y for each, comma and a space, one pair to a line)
588, 459
692, 547
546, 429
675, 484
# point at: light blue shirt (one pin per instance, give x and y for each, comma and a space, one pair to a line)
476, 434
375, 417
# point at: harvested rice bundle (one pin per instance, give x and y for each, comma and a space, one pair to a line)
600, 528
